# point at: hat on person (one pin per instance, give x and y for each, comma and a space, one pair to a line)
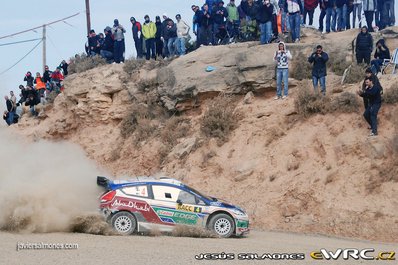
165, 15
146, 16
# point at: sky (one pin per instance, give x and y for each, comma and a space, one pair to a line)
66, 40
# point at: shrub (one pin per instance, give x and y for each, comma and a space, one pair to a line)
132, 65
139, 114
355, 73
337, 63
302, 68
174, 129
308, 103
219, 120
82, 63
346, 102
391, 95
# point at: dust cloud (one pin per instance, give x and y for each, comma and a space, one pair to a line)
44, 186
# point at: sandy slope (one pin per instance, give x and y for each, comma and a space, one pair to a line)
170, 250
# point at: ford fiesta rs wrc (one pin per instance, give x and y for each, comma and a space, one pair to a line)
143, 204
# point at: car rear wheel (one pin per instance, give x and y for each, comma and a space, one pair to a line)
124, 223
222, 224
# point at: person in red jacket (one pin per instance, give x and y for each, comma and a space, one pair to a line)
56, 79
309, 8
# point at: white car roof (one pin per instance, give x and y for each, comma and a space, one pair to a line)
148, 179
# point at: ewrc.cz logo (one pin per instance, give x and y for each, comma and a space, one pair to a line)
356, 254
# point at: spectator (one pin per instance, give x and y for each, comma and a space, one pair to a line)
40, 85
319, 59
331, 15
357, 13
9, 111
158, 38
341, 9
6, 117
282, 57
211, 4
382, 53
322, 7
285, 27
94, 46
107, 47
23, 95
364, 46
369, 7
372, 93
350, 8
64, 66
206, 26
198, 20
171, 35
275, 13
119, 44
136, 28
182, 35
265, 20
233, 21
13, 99
370, 74
219, 14
149, 32
32, 100
309, 8
47, 75
56, 79
29, 79
249, 23
295, 10
164, 35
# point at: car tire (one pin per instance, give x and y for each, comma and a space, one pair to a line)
222, 225
124, 223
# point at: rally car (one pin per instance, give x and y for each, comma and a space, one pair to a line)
143, 204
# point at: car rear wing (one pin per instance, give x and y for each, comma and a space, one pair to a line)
103, 182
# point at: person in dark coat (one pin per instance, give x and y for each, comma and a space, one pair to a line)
32, 100
206, 26
64, 66
158, 38
10, 111
364, 46
219, 14
164, 34
29, 79
369, 74
372, 93
94, 46
382, 53
264, 18
136, 28
47, 74
319, 59
107, 47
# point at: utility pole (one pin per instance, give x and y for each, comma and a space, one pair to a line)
44, 48
88, 18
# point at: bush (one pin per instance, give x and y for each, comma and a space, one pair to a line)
132, 65
302, 69
391, 95
355, 73
308, 103
219, 120
346, 102
138, 115
338, 63
174, 129
82, 63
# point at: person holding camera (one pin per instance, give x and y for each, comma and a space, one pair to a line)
119, 45
319, 73
282, 57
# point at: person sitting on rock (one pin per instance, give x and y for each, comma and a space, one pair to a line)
382, 53
282, 57
372, 93
32, 100
93, 43
40, 85
56, 79
107, 47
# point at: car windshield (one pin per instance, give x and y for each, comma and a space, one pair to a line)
200, 194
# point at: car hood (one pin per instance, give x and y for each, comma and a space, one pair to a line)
223, 204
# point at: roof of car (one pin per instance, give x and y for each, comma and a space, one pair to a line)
144, 180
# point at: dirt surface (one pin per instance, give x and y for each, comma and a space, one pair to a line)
170, 250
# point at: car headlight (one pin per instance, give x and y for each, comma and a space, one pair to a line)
238, 212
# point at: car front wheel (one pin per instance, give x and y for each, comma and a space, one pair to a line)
124, 223
222, 224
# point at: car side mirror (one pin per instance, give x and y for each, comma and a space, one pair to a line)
179, 202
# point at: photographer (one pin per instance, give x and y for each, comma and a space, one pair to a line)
119, 45
282, 57
319, 59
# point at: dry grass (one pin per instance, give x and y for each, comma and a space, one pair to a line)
346, 102
355, 74
82, 63
132, 65
51, 97
146, 85
219, 119
391, 95
338, 63
302, 69
308, 103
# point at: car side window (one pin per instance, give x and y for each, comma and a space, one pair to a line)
187, 198
165, 193
141, 191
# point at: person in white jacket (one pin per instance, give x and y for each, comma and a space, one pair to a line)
182, 35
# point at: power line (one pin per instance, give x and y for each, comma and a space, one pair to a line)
32, 29
21, 58
17, 42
